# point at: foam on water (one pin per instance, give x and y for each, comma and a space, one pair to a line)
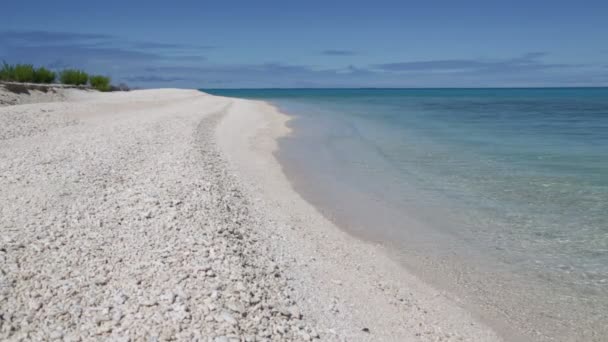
507, 187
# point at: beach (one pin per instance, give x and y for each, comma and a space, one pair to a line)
165, 215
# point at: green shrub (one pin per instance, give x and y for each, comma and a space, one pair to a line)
7, 73
74, 77
44, 75
100, 83
27, 73
24, 73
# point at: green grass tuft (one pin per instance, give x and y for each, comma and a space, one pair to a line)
100, 83
7, 72
17, 73
74, 77
44, 75
24, 73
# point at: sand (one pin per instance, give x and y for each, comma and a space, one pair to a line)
164, 215
12, 93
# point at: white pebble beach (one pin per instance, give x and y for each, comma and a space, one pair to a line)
161, 215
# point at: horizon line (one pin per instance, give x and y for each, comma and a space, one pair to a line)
405, 88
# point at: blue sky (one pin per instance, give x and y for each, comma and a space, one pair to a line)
315, 43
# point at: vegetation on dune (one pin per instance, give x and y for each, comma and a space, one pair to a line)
100, 83
7, 72
27, 73
17, 73
24, 73
74, 77
44, 75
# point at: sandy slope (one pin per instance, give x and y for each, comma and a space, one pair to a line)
12, 93
121, 219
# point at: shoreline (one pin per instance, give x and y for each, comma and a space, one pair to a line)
165, 214
459, 281
516, 306
414, 307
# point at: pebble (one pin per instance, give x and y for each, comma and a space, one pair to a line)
228, 318
132, 229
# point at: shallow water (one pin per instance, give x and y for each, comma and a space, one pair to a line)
500, 195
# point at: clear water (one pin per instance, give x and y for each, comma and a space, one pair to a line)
508, 187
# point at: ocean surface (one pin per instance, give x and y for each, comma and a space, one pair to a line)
499, 196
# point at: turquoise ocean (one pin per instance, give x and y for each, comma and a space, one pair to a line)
498, 196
